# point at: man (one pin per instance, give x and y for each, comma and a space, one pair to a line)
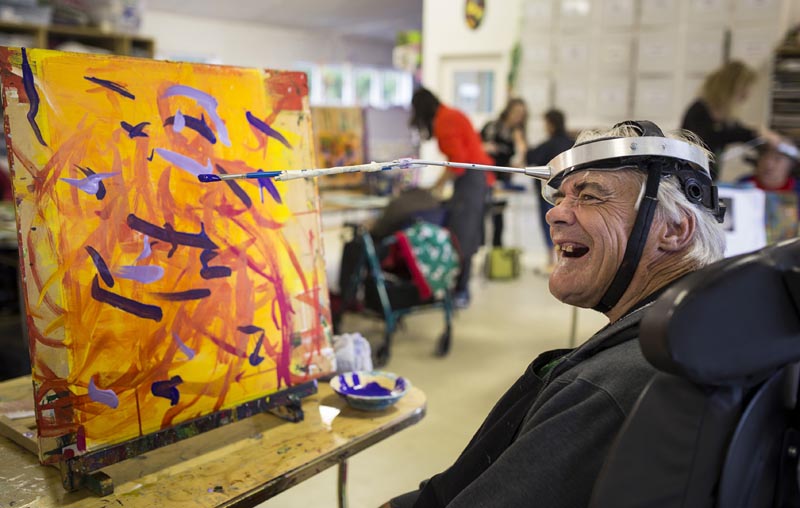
557, 141
634, 211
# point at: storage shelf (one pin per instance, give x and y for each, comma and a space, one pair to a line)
51, 35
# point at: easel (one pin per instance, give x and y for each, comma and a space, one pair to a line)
83, 471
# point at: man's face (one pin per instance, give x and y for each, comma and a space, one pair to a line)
590, 225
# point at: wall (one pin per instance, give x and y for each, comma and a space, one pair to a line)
256, 45
446, 36
449, 44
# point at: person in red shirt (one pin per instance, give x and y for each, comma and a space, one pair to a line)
773, 170
459, 142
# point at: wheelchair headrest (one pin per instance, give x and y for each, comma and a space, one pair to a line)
733, 322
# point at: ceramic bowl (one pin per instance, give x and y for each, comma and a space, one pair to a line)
370, 390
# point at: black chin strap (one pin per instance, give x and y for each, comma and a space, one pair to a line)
636, 241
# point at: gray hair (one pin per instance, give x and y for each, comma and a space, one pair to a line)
708, 244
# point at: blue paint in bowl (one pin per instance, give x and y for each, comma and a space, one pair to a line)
370, 391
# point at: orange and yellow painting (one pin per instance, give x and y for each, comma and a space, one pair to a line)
339, 141
153, 299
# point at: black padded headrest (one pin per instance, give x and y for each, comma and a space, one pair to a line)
732, 322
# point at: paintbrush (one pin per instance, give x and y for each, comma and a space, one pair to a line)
541, 172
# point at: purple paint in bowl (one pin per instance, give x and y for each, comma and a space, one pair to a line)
370, 391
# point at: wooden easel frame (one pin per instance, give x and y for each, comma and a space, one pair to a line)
84, 470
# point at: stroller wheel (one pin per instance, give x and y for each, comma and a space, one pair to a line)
443, 346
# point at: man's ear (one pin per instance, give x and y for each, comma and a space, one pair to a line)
676, 236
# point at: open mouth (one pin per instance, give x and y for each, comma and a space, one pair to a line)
572, 250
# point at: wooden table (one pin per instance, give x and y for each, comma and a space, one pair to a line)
241, 464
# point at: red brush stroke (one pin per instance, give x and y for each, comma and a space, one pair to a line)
289, 87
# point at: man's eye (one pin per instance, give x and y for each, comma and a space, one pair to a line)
588, 197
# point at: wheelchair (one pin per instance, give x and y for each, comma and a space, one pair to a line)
369, 289
719, 424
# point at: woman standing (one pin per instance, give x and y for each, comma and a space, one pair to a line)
505, 141
711, 116
459, 142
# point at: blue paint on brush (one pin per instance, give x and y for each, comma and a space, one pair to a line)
106, 397
114, 87
266, 129
33, 96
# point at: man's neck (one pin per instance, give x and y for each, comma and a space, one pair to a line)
647, 281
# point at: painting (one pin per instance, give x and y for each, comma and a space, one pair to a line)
781, 215
153, 299
339, 141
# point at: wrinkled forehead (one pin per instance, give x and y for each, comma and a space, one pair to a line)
610, 180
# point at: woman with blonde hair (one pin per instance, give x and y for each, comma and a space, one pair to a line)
712, 115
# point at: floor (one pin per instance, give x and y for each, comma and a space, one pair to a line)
506, 326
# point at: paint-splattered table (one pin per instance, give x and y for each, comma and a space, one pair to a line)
241, 464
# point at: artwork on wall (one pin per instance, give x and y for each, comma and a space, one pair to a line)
152, 299
339, 141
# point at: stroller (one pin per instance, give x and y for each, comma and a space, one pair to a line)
410, 271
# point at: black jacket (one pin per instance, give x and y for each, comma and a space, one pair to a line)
545, 441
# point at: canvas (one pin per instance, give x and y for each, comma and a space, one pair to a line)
153, 299
339, 141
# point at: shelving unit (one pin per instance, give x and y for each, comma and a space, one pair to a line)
785, 92
50, 36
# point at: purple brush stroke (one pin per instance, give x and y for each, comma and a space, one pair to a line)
267, 183
266, 129
167, 389
189, 352
185, 163
114, 87
33, 96
150, 157
107, 397
101, 265
197, 125
212, 272
180, 296
178, 121
174, 238
146, 251
254, 357
90, 184
139, 309
135, 131
236, 188
144, 274
248, 329
208, 102
101, 189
